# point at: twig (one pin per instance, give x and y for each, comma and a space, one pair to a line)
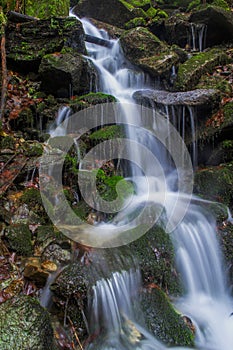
75, 333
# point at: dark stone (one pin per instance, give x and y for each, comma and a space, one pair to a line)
219, 24
109, 11
25, 325
28, 43
65, 75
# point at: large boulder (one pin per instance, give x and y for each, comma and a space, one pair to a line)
145, 50
28, 42
66, 74
191, 70
25, 325
114, 12
176, 30
219, 24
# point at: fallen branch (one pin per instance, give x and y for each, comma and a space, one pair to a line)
17, 17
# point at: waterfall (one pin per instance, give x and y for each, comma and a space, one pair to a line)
206, 300
198, 36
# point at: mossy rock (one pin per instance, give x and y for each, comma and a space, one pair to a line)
219, 22
8, 142
107, 132
102, 10
135, 22
155, 254
219, 125
190, 72
66, 74
145, 50
90, 99
32, 197
19, 239
33, 149
28, 43
26, 325
215, 183
163, 320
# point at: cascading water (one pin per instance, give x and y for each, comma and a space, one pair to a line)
198, 36
206, 300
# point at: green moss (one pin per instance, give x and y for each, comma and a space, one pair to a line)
31, 197
8, 142
19, 239
94, 98
151, 12
45, 9
155, 254
216, 183
191, 71
34, 149
107, 132
164, 321
139, 3
106, 186
221, 3
135, 22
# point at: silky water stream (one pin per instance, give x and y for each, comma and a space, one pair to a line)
206, 301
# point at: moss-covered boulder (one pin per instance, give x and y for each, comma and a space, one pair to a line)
163, 320
93, 98
218, 127
219, 24
66, 74
25, 325
155, 254
102, 10
145, 50
19, 239
215, 183
191, 71
28, 43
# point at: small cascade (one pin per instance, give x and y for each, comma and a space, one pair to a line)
198, 36
115, 312
58, 128
206, 301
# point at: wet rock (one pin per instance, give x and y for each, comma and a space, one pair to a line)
219, 24
103, 11
145, 50
215, 183
191, 71
163, 320
34, 272
176, 30
25, 325
28, 43
52, 245
65, 75
218, 126
113, 31
155, 254
19, 239
190, 98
